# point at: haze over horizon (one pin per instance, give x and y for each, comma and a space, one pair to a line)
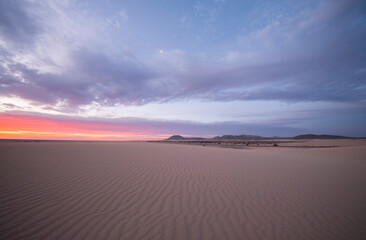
136, 70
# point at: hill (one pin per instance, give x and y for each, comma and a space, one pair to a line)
314, 136
239, 137
179, 137
255, 137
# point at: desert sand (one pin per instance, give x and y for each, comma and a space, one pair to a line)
139, 190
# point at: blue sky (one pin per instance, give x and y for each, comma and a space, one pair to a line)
191, 67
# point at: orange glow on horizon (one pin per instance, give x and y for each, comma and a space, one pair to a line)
33, 127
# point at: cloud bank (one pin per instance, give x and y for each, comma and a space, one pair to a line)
317, 54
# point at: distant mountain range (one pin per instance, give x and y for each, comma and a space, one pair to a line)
314, 136
239, 137
255, 137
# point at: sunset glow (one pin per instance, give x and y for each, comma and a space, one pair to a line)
28, 127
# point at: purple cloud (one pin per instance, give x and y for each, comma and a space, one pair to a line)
18, 25
318, 55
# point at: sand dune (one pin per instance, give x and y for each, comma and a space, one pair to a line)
61, 190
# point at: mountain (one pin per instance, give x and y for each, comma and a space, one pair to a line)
179, 137
176, 137
224, 137
239, 137
314, 136
255, 137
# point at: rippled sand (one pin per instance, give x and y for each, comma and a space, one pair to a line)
75, 190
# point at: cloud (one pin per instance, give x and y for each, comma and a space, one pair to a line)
117, 19
123, 14
93, 77
18, 25
317, 54
311, 56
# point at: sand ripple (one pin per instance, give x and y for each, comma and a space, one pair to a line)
163, 191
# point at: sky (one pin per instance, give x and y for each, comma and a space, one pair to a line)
138, 70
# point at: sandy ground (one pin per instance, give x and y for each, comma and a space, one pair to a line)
60, 190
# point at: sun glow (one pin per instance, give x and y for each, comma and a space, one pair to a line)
32, 127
